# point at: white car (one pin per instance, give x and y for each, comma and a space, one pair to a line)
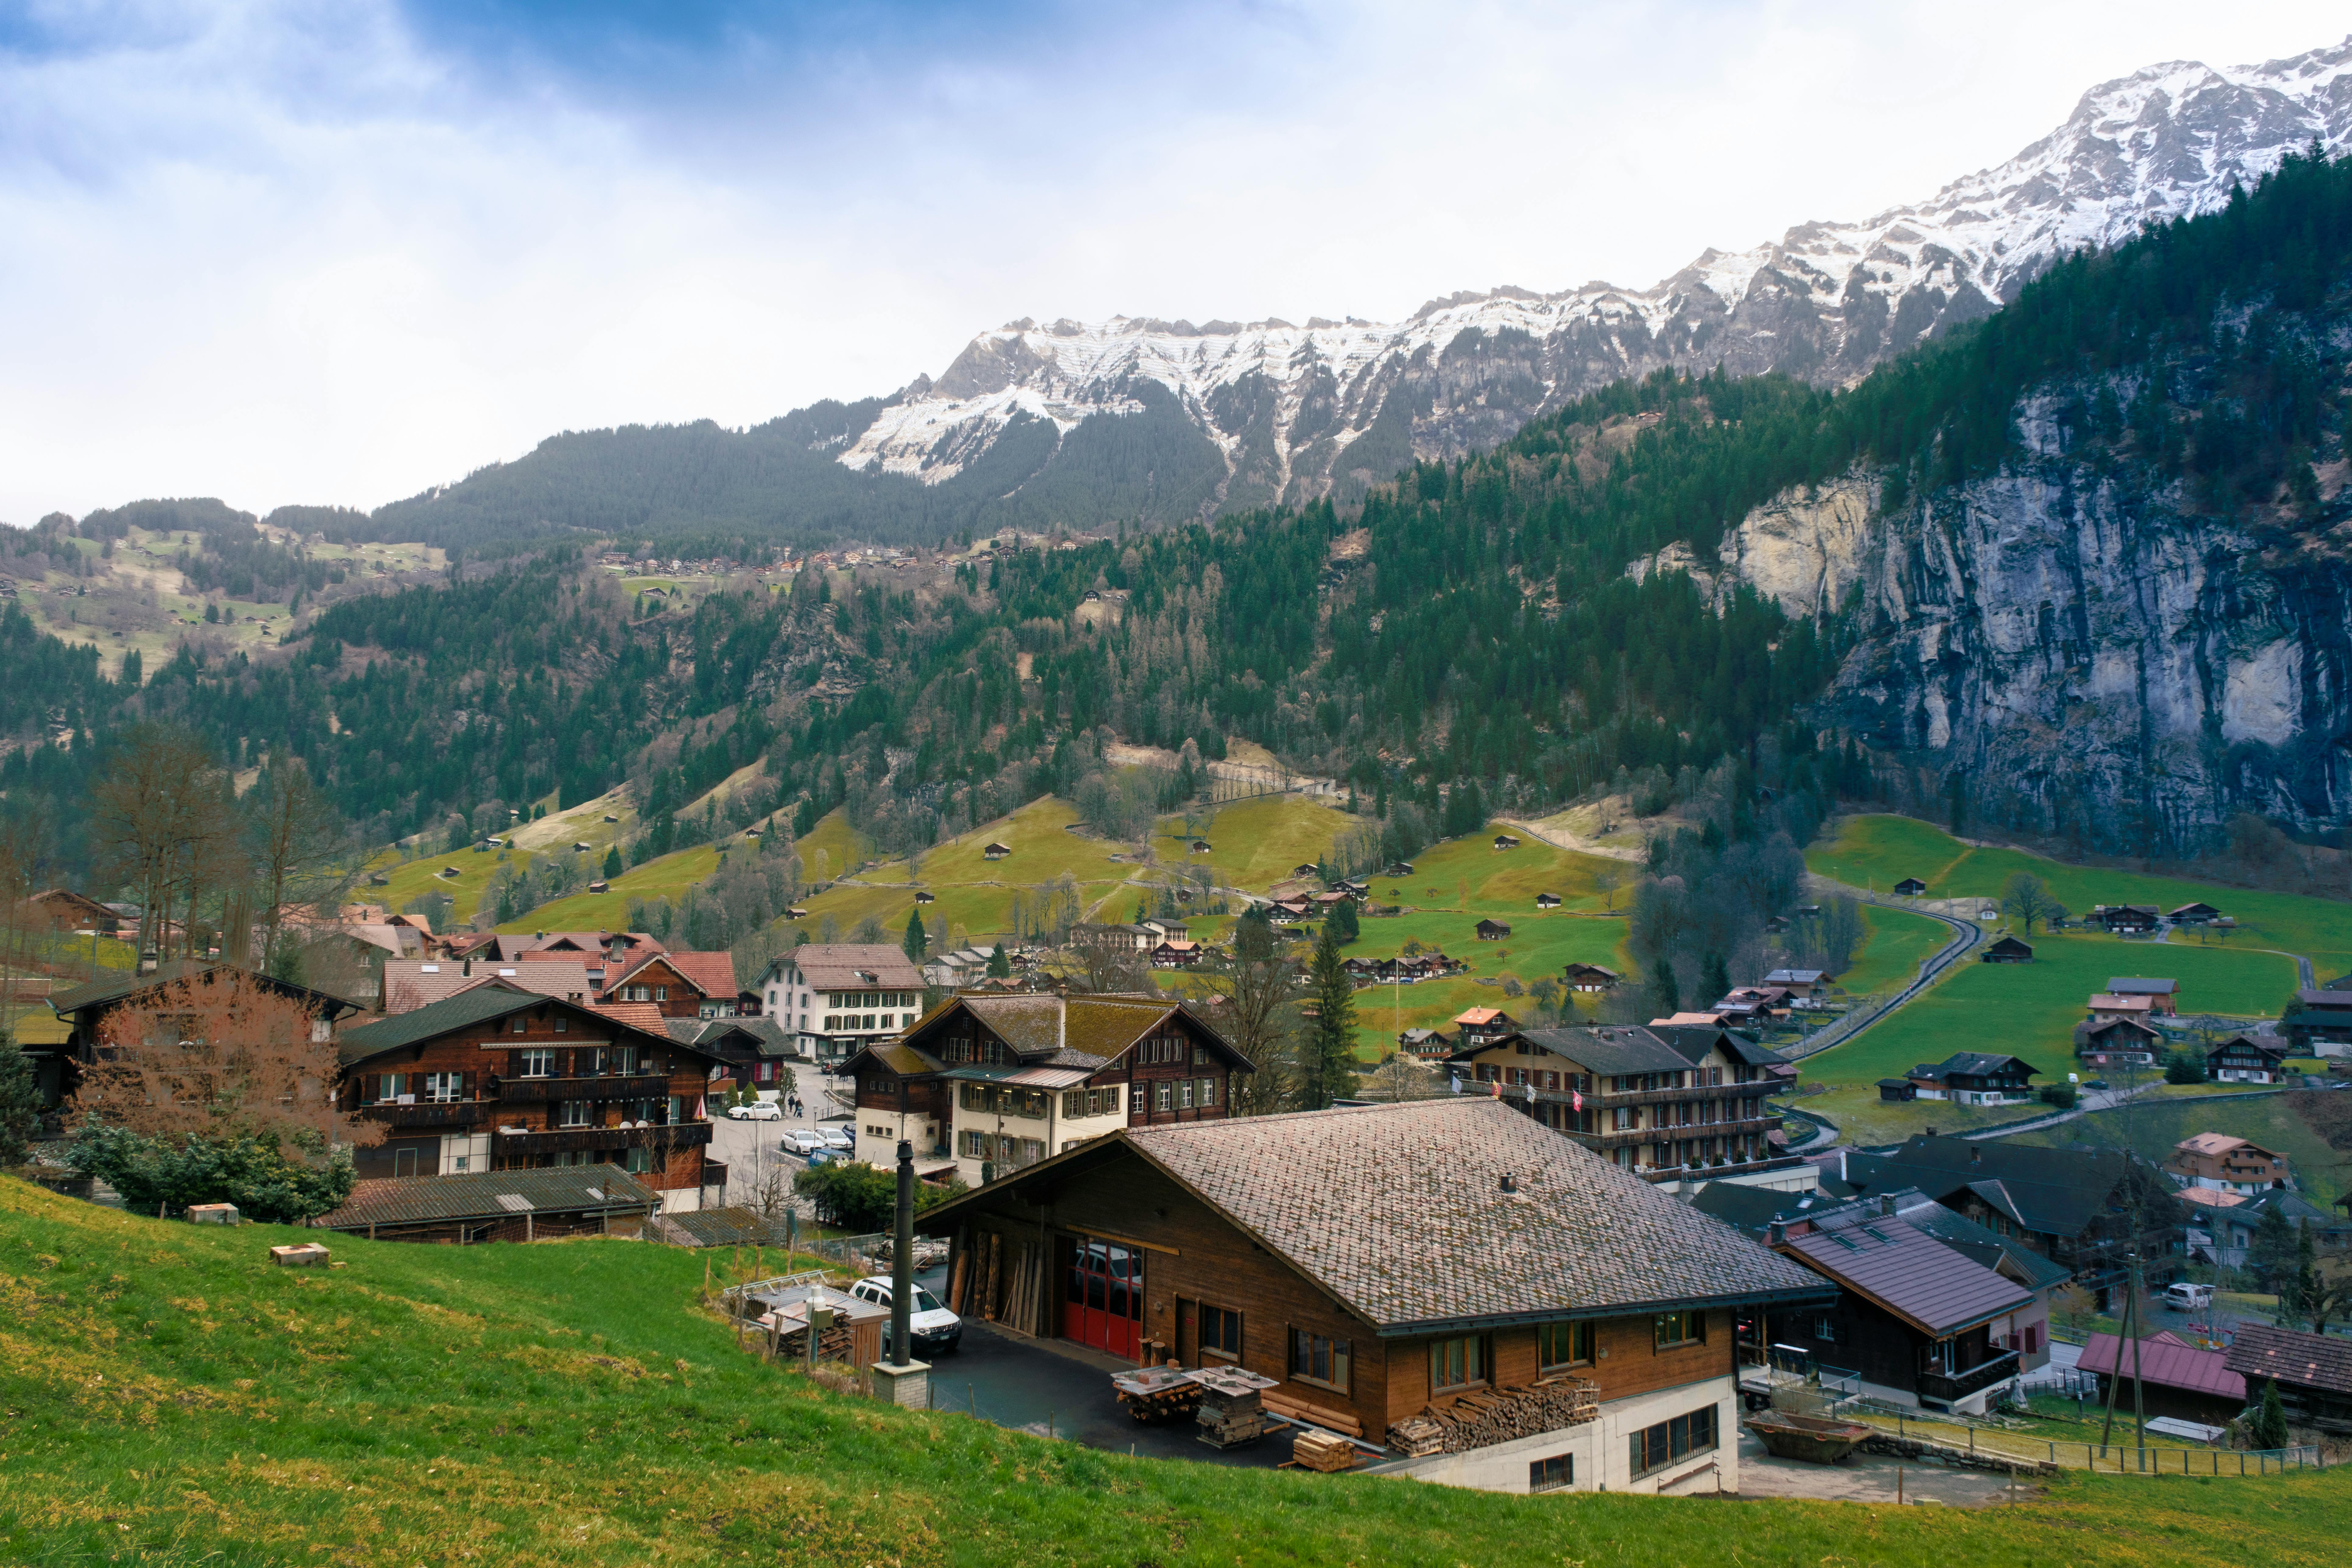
758, 1110
930, 1325
803, 1141
837, 1137
2187, 1298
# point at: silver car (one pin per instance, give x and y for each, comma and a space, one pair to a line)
803, 1141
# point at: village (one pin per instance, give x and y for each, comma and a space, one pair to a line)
1716, 1297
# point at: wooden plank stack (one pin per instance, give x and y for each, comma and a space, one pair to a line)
1322, 1451
1231, 1411
1498, 1416
1299, 1410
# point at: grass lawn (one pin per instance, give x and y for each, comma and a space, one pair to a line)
170, 1398
667, 876
1882, 851
1257, 842
1538, 945
1472, 874
1894, 944
2031, 1009
423, 876
2152, 1126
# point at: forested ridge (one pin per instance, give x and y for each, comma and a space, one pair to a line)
1474, 625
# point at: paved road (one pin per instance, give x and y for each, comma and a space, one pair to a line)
752, 1150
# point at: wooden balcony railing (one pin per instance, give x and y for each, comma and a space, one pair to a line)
579, 1140
456, 1113
539, 1090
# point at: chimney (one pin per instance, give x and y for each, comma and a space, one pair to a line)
1776, 1233
1510, 1183
1886, 1204
147, 961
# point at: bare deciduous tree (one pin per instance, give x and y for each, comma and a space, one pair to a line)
218, 1053
162, 823
298, 851
1257, 991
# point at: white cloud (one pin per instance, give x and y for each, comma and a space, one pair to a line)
286, 253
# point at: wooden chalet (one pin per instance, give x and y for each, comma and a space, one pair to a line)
66, 910
2128, 919
1603, 1356
1897, 1090
2241, 1058
2163, 996
2193, 914
1506, 841
1484, 1026
2106, 1006
1493, 931
995, 851
1397, 868
986, 1084
2322, 1021
1976, 1077
1589, 977
1915, 1320
1547, 901
1653, 1100
2220, 1163
84, 1010
2117, 1042
1424, 1045
1909, 888
1808, 984
2007, 950
755, 1050
2313, 1372
500, 1078
2173, 1378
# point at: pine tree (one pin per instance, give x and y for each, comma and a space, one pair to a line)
2296, 1296
1330, 1065
20, 1101
1670, 992
1000, 967
917, 942
2268, 1428
1717, 982
1341, 921
611, 862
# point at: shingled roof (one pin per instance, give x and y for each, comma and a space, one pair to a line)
491, 1195
2164, 1358
2056, 1191
477, 1005
1400, 1212
121, 987
1937, 1289
2311, 1360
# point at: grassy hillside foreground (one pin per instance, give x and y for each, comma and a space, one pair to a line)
168, 1397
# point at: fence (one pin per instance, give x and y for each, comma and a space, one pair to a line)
1997, 1442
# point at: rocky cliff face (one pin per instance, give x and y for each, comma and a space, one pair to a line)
1295, 413
2091, 653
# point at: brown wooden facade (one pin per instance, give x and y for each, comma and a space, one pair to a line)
520, 1081
1209, 1294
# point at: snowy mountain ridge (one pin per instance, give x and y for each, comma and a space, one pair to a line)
1331, 407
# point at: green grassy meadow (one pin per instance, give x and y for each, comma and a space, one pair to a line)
1894, 944
170, 1398
1257, 842
1879, 851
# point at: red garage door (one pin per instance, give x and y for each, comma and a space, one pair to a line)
1102, 1295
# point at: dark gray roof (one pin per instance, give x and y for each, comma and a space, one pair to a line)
766, 1036
1610, 1050
1752, 1209
1972, 1064
716, 1227
491, 1194
119, 988
1398, 1212
2057, 1191
466, 1009
1979, 1242
1937, 1289
2131, 986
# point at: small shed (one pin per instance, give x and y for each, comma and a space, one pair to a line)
2007, 950
1897, 1088
1909, 888
1547, 901
926, 897
2176, 1379
996, 851
2195, 915
1505, 841
600, 886
1493, 931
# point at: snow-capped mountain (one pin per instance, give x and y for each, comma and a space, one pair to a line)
1297, 412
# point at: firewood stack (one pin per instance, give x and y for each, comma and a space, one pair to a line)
1322, 1451
1498, 1416
1157, 1393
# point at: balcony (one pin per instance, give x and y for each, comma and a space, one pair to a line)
456, 1113
539, 1090
589, 1139
1613, 1139
1956, 1386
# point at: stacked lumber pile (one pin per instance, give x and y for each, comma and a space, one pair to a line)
1157, 1393
1316, 1415
1322, 1451
1498, 1416
1232, 1412
999, 1283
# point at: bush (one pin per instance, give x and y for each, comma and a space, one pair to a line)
255, 1172
2184, 1066
864, 1198
2061, 1095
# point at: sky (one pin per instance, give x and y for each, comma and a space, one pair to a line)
280, 251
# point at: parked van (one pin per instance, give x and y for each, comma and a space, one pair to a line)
2188, 1298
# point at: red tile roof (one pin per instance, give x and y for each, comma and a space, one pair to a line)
636, 1015
712, 972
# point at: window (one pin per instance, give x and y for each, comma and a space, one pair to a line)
1825, 1329
1683, 1328
562, 1022
1458, 1362
1564, 1344
1554, 1474
1074, 1102
538, 1062
443, 1087
1163, 1096
1221, 1332
1134, 1101
573, 1114
1208, 1092
1317, 1359
975, 1145
640, 1159
1656, 1448
1184, 1095
521, 1024
392, 1086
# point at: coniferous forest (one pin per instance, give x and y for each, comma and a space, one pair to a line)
1471, 632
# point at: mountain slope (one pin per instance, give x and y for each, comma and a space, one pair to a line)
1080, 425
1300, 412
